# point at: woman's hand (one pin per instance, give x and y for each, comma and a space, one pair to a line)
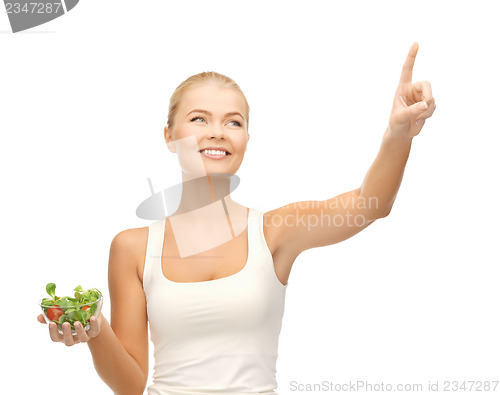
413, 103
67, 337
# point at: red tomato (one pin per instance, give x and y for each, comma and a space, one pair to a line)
54, 313
85, 308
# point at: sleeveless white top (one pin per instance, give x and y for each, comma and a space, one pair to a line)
216, 336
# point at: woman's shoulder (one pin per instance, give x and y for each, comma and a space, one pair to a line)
131, 238
276, 224
132, 243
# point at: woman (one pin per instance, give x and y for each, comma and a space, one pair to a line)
211, 278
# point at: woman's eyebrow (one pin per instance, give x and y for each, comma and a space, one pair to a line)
209, 113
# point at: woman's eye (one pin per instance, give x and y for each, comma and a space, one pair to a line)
236, 122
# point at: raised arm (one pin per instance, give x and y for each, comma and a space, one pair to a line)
303, 225
413, 104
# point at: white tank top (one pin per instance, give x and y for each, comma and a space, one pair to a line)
216, 336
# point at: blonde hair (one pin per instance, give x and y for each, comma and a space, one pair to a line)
221, 80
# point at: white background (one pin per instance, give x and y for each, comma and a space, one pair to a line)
84, 99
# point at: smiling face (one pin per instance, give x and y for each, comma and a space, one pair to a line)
209, 116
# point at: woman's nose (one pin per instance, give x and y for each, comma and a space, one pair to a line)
216, 131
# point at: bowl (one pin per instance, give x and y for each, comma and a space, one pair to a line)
71, 314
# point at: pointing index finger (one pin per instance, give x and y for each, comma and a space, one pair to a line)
406, 74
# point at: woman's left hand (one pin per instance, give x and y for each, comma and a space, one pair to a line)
413, 103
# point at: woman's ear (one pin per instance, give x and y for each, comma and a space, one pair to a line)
168, 140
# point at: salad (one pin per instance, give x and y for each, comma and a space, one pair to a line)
68, 309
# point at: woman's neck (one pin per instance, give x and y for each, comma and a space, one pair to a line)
201, 192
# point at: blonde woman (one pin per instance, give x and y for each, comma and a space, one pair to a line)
211, 278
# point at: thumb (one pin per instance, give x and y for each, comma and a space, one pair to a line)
416, 109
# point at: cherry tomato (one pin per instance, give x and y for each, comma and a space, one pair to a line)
54, 313
85, 308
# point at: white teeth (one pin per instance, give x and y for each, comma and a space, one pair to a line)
214, 152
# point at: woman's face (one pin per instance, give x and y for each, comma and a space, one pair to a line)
209, 116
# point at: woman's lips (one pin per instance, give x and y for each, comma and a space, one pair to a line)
214, 157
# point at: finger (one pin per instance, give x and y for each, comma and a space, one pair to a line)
54, 333
67, 335
410, 113
417, 109
82, 335
427, 114
41, 319
407, 71
423, 91
94, 327
420, 122
401, 100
